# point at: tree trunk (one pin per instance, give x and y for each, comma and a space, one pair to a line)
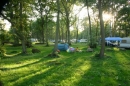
47, 35
16, 41
102, 30
57, 28
68, 27
89, 23
42, 24
24, 51
97, 31
21, 27
67, 21
77, 34
62, 36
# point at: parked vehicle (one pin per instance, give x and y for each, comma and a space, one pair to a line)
34, 40
83, 40
125, 42
73, 40
113, 43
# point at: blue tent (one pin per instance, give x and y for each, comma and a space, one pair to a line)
62, 47
113, 39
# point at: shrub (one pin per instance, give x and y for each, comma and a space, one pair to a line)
2, 51
34, 50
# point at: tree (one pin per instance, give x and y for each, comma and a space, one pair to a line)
124, 18
45, 10
57, 28
48, 18
86, 3
62, 30
2, 39
16, 12
67, 4
40, 7
76, 27
102, 29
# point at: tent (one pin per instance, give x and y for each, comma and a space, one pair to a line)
71, 49
63, 46
113, 39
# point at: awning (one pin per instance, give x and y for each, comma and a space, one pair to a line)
113, 39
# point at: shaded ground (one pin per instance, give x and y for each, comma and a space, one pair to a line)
71, 69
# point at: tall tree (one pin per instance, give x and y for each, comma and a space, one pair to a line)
16, 12
40, 8
102, 29
124, 20
57, 28
90, 33
67, 5
45, 9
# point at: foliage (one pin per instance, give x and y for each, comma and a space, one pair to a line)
4, 37
36, 29
19, 13
45, 10
124, 18
2, 52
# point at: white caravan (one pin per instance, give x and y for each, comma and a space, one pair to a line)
125, 42
83, 40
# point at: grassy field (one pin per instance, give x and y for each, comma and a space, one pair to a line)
70, 69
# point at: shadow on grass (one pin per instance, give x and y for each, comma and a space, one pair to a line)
107, 72
57, 73
76, 69
13, 68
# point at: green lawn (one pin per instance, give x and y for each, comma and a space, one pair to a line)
70, 69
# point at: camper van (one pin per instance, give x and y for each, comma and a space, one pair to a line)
125, 42
83, 40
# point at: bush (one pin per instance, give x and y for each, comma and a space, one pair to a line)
93, 45
34, 50
2, 51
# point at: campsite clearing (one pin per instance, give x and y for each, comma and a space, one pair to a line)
71, 69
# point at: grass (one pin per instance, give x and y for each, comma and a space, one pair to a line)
71, 69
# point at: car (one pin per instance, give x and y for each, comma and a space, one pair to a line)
83, 40
73, 40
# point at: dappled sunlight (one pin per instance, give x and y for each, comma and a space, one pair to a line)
127, 55
70, 69
11, 55
26, 71
116, 49
119, 68
107, 72
19, 64
22, 79
77, 74
121, 58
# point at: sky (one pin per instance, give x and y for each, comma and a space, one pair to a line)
7, 26
81, 12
